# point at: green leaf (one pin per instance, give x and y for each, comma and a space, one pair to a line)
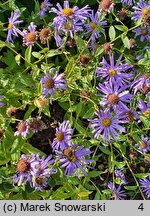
17, 59
112, 33
126, 42
99, 51
93, 174
121, 28
104, 150
52, 53
2, 44
28, 54
141, 175
36, 55
132, 188
145, 120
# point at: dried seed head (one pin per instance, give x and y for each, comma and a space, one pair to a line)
11, 111
84, 60
132, 42
133, 154
145, 89
44, 35
23, 166
69, 154
22, 126
107, 47
112, 99
1, 133
36, 125
147, 158
122, 14
41, 102
39, 180
71, 43
130, 116
105, 5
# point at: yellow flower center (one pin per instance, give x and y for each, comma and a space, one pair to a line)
10, 25
145, 11
31, 37
106, 122
60, 136
144, 31
93, 25
112, 72
146, 75
49, 83
67, 12
147, 113
42, 5
115, 195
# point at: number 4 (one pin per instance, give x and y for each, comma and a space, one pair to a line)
141, 207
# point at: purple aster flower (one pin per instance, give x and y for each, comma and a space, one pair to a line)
141, 9
44, 6
22, 129
145, 184
129, 114
30, 36
144, 108
92, 27
71, 13
129, 2
72, 159
62, 136
13, 21
23, 169
114, 96
117, 193
142, 83
49, 83
114, 72
120, 177
144, 32
40, 166
143, 145
106, 125
1, 104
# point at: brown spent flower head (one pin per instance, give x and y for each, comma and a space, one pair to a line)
22, 127
107, 47
71, 42
69, 154
44, 35
147, 158
133, 154
1, 133
130, 116
132, 42
36, 125
105, 5
41, 102
23, 166
112, 99
84, 60
145, 89
39, 180
11, 111
122, 14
